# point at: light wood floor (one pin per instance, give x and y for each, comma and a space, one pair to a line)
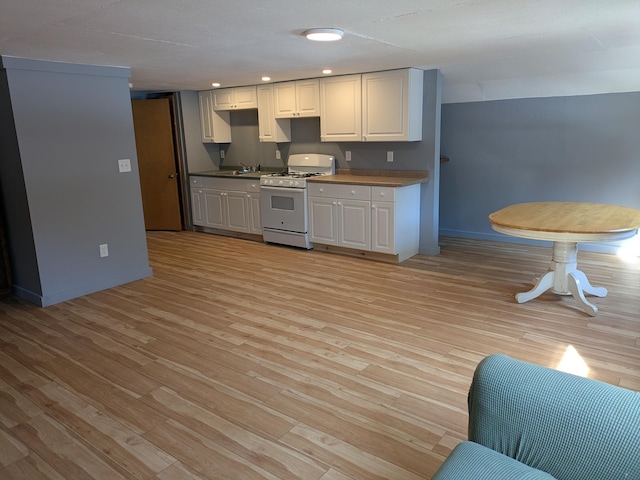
243, 360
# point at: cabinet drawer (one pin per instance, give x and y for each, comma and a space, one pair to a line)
355, 192
195, 181
383, 194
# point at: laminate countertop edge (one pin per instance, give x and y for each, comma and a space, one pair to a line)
374, 178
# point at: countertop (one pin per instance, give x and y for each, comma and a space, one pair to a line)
375, 178
227, 174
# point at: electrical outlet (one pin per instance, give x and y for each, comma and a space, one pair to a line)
104, 250
124, 165
347, 155
389, 156
221, 154
278, 156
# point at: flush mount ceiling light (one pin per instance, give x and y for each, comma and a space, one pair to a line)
324, 34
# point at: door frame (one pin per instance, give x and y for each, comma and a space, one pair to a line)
179, 147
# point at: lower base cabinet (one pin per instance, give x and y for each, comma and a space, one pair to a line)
377, 219
226, 204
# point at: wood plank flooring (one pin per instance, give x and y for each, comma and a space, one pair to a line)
239, 360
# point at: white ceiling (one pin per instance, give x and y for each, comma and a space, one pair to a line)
485, 49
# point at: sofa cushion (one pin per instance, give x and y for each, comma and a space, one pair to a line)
471, 461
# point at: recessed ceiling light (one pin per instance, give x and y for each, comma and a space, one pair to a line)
215, 84
266, 79
327, 71
324, 34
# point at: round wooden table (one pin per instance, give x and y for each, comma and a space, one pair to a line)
566, 224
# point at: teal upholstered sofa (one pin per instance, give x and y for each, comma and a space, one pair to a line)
528, 422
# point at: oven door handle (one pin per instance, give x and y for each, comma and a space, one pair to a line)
280, 189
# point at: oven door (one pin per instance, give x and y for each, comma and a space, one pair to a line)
284, 208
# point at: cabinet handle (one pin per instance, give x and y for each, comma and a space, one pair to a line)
321, 190
173, 175
382, 194
353, 192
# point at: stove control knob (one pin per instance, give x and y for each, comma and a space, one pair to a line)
281, 182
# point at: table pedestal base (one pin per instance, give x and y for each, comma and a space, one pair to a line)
564, 278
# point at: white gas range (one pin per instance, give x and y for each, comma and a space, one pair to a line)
283, 199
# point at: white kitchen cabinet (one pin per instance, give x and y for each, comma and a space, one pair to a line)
376, 219
237, 98
392, 105
270, 128
396, 220
341, 109
215, 212
197, 201
215, 127
255, 224
226, 204
340, 215
297, 99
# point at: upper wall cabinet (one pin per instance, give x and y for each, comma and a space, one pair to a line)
237, 98
271, 129
392, 105
340, 107
214, 126
297, 99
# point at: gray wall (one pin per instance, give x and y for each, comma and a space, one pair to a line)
582, 148
62, 193
305, 137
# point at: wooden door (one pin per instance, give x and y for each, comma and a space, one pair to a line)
157, 164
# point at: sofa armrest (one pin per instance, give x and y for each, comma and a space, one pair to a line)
471, 461
571, 427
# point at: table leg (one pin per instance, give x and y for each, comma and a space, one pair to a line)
564, 278
577, 291
543, 284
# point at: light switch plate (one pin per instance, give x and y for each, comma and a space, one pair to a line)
124, 165
347, 155
389, 156
104, 250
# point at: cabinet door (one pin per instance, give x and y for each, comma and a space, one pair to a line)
340, 109
255, 225
355, 224
237, 210
222, 99
308, 98
382, 228
206, 123
245, 98
215, 215
215, 126
392, 105
323, 220
271, 129
297, 99
284, 96
197, 206
237, 98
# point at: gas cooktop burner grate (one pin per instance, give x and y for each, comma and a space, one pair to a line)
295, 175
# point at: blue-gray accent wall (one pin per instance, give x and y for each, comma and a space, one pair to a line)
580, 148
65, 126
